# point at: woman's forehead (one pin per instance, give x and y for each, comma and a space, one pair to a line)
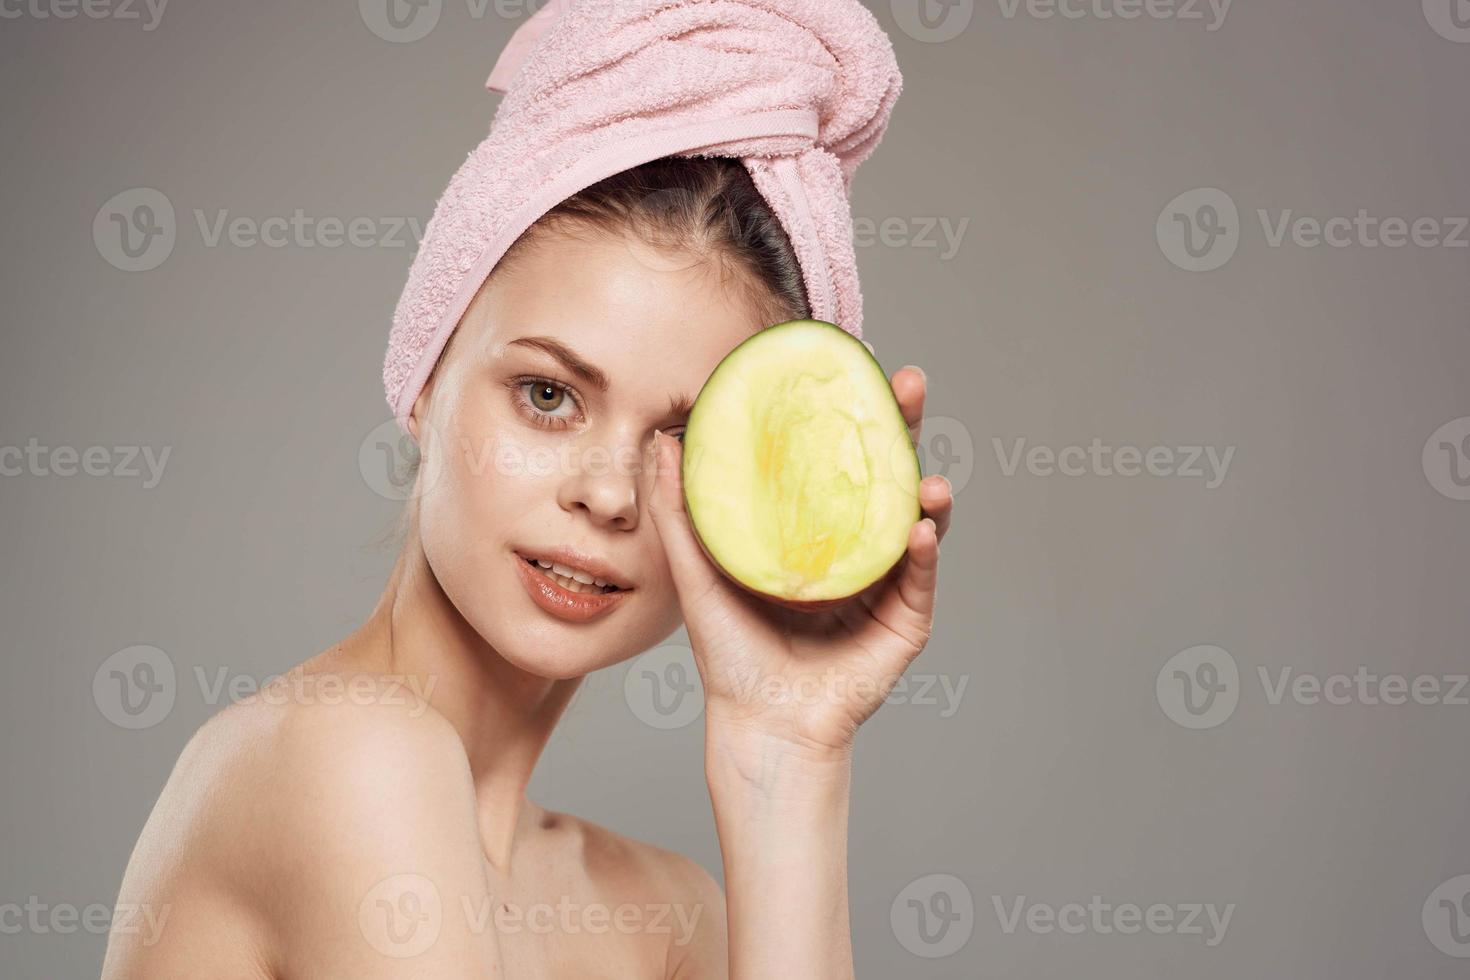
623, 315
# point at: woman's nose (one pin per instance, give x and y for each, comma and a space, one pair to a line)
605, 483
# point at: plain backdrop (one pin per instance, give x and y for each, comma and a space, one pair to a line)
1045, 752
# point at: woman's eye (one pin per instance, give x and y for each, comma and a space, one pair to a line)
546, 403
547, 397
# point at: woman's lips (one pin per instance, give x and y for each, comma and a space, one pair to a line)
574, 607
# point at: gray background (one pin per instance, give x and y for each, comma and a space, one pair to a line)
1061, 318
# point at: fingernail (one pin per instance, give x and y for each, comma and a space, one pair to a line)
915, 367
932, 526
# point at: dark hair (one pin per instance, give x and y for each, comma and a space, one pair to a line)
705, 205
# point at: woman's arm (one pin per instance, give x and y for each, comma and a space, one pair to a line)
781, 813
785, 693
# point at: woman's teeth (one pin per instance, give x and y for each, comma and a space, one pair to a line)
571, 579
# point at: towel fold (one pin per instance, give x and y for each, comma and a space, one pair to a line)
799, 90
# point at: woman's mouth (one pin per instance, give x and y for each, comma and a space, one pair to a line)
567, 592
571, 579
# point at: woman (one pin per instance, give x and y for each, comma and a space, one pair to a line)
367, 818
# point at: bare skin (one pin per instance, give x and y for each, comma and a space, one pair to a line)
366, 815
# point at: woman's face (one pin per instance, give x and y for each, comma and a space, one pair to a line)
536, 433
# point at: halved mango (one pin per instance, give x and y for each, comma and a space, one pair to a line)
800, 478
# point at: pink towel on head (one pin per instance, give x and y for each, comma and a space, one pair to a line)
799, 90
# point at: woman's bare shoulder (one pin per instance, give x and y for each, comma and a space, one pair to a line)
290, 808
314, 771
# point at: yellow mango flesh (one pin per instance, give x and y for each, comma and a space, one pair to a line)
799, 474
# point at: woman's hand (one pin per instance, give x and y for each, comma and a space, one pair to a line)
806, 679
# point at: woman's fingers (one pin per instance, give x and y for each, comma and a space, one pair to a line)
910, 386
936, 500
693, 573
906, 604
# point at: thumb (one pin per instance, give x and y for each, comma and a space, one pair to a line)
694, 574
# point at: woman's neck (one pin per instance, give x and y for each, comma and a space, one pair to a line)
504, 715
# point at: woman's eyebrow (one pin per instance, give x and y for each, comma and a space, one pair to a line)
569, 358
679, 405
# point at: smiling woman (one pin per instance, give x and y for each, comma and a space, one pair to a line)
299, 838
597, 329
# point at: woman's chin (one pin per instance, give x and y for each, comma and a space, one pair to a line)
561, 658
